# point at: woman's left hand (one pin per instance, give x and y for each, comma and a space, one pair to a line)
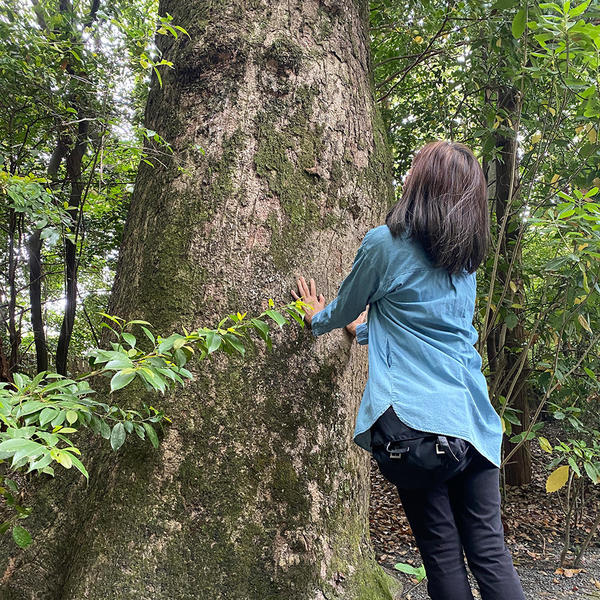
309, 295
362, 318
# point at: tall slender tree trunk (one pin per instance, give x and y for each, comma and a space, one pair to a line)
74, 167
280, 165
36, 270
505, 343
74, 161
35, 297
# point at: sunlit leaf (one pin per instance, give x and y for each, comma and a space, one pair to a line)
557, 479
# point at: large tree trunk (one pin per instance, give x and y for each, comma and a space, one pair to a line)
257, 490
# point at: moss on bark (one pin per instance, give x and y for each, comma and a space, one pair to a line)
257, 491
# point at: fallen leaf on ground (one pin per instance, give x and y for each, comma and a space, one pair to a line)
567, 572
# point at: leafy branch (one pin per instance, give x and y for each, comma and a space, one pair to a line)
39, 415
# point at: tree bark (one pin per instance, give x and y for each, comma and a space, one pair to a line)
280, 165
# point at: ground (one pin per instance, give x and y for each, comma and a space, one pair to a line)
533, 521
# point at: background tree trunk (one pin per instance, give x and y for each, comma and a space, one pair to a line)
280, 165
505, 343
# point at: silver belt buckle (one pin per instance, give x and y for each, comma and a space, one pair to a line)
395, 452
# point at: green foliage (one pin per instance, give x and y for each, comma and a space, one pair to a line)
42, 415
418, 573
581, 451
31, 198
71, 73
574, 467
450, 72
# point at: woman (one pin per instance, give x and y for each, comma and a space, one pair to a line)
426, 398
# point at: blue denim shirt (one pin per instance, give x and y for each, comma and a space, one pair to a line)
422, 359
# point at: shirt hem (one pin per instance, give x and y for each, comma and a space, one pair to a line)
419, 428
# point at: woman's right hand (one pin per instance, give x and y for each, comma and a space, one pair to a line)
310, 296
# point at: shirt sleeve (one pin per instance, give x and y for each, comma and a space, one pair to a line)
362, 286
362, 334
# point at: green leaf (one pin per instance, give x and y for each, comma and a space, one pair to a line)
295, 316
167, 344
41, 463
565, 214
511, 417
113, 318
158, 76
130, 339
574, 465
50, 438
117, 437
21, 432
149, 334
503, 4
20, 445
213, 341
31, 406
419, 572
153, 378
79, 465
151, 434
11, 485
21, 536
277, 317
105, 430
20, 380
511, 320
235, 343
47, 415
515, 439
551, 5
182, 341
518, 24
555, 263
119, 363
577, 10
261, 327
71, 416
121, 379
593, 474
545, 444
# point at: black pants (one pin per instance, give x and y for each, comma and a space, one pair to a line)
463, 513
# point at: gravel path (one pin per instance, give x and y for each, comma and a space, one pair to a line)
538, 578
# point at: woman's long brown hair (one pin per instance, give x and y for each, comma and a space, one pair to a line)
444, 206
